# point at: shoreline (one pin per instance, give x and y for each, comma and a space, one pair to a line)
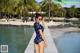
51, 24
57, 32
28, 23
19, 22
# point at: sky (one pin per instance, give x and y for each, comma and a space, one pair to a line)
38, 0
68, 3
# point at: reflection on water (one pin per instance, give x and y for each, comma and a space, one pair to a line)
17, 38
69, 43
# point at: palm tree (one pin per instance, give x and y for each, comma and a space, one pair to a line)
46, 5
33, 6
73, 11
54, 8
8, 6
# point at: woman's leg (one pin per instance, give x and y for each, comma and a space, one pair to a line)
41, 45
37, 48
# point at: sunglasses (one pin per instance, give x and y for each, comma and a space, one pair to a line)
40, 19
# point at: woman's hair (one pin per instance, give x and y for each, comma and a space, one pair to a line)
38, 15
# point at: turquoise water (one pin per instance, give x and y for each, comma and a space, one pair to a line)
69, 42
17, 38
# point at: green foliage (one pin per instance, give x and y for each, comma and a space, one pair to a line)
59, 0
18, 6
55, 9
22, 7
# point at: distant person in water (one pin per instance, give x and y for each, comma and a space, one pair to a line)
39, 41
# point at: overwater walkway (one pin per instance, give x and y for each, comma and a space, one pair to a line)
51, 48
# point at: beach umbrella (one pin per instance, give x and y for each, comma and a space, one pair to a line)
31, 12
37, 12
42, 12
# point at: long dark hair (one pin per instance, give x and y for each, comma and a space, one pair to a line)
38, 15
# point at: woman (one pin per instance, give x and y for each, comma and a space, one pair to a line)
39, 41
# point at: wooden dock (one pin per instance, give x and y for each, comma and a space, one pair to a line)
51, 48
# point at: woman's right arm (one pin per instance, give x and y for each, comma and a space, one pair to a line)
43, 36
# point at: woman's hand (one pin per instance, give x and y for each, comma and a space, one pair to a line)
45, 44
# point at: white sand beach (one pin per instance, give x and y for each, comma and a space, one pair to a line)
19, 22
